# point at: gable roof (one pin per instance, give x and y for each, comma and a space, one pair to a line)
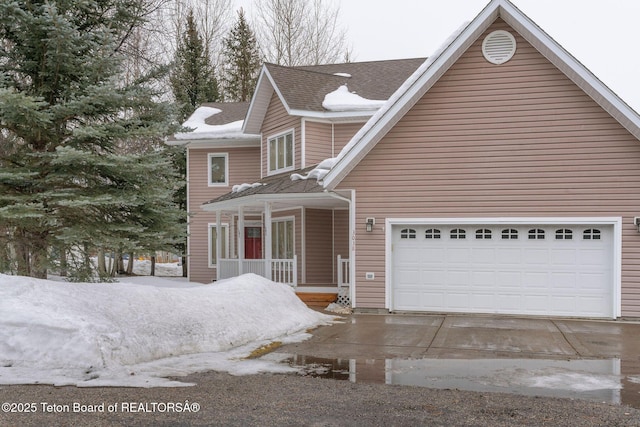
302, 89
436, 65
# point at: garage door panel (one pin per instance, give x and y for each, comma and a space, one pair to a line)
499, 269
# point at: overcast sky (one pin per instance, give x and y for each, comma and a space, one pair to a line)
602, 34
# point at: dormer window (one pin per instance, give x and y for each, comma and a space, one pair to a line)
281, 152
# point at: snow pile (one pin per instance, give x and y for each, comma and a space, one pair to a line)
125, 334
242, 187
202, 130
343, 100
318, 172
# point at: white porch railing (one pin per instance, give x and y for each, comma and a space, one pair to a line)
279, 270
343, 272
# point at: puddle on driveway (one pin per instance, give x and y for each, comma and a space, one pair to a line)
599, 380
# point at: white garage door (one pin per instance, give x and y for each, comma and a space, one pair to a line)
553, 270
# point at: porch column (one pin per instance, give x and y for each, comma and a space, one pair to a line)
267, 240
240, 239
218, 243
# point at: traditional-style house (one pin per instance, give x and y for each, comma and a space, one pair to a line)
497, 176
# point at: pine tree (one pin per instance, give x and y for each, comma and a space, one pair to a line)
64, 112
193, 79
242, 61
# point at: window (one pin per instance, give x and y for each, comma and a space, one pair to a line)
281, 152
212, 244
564, 234
536, 234
218, 169
458, 233
509, 234
408, 233
282, 239
432, 233
591, 234
483, 233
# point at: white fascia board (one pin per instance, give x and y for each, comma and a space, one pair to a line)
333, 115
259, 199
252, 141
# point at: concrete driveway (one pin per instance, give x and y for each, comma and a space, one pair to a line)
494, 353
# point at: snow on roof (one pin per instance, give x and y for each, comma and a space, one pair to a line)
318, 172
342, 74
242, 187
343, 100
124, 334
202, 130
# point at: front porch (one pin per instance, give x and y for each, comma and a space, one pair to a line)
300, 238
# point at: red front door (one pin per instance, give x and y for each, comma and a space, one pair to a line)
252, 243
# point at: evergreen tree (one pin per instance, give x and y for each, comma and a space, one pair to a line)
242, 61
64, 112
193, 80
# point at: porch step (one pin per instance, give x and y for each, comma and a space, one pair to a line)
317, 299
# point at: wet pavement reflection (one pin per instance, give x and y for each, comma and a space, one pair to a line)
598, 380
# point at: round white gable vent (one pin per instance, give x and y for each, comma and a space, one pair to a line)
499, 47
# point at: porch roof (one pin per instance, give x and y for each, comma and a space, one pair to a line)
282, 192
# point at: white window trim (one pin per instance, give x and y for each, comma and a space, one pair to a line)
226, 170
615, 222
291, 131
285, 219
225, 230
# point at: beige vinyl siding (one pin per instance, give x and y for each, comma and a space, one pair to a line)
342, 134
518, 139
340, 237
244, 166
318, 141
319, 246
277, 121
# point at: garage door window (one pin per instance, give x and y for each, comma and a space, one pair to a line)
564, 234
591, 234
458, 233
509, 234
408, 233
483, 233
536, 234
432, 233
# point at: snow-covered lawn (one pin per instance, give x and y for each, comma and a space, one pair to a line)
128, 334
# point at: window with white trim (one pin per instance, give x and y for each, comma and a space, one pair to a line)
483, 233
282, 242
564, 234
536, 234
408, 233
509, 234
458, 233
218, 169
281, 152
213, 259
591, 234
432, 233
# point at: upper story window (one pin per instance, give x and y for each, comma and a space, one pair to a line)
218, 169
281, 152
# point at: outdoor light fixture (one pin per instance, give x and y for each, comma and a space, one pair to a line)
636, 222
369, 223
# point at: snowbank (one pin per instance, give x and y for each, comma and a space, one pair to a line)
90, 334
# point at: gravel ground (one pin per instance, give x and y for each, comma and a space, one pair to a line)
292, 400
